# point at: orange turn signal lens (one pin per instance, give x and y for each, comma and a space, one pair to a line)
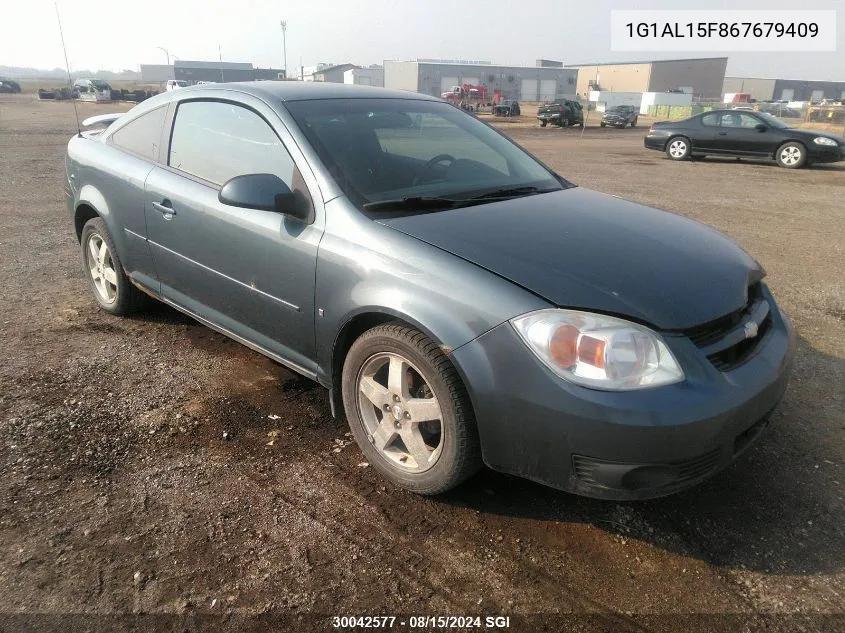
563, 346
591, 351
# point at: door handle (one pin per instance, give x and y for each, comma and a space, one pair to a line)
723, 133
164, 208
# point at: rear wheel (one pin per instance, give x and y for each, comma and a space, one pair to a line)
542, 123
678, 148
110, 285
634, 123
603, 124
409, 411
791, 155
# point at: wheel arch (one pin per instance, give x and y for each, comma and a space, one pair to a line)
83, 213
90, 204
797, 141
354, 326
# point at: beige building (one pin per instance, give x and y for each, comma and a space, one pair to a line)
703, 77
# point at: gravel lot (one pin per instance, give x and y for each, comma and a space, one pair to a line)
152, 466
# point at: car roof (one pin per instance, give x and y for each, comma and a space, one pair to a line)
309, 90
728, 111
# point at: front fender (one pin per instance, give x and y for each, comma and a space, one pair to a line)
365, 268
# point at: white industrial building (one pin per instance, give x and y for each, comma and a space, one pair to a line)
524, 83
372, 76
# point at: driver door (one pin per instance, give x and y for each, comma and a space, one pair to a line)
246, 271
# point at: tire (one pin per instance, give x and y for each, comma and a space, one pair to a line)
678, 148
543, 123
634, 123
111, 287
602, 124
791, 155
380, 407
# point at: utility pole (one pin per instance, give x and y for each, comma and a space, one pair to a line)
220, 58
284, 25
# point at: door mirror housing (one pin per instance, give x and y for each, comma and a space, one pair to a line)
760, 127
264, 192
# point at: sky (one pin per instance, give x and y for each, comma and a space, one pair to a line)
117, 34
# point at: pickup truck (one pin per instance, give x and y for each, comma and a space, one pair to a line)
620, 116
563, 112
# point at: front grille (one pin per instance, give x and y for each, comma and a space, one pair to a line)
704, 335
734, 356
724, 341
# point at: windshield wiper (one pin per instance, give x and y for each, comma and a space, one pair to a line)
413, 203
420, 203
513, 192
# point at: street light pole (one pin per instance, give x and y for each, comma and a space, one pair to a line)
166, 52
285, 45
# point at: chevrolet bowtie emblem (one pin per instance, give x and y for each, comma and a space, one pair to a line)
750, 329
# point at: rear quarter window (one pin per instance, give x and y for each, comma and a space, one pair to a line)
710, 120
142, 135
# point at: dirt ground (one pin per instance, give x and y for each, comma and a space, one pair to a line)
152, 466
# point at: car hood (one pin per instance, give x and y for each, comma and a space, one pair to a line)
577, 248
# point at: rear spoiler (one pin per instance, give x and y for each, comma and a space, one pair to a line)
102, 119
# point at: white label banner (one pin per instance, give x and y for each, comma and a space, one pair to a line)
712, 31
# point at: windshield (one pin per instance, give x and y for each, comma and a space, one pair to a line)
773, 121
389, 149
99, 85
618, 109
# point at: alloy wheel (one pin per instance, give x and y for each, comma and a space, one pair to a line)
101, 268
677, 149
401, 415
790, 155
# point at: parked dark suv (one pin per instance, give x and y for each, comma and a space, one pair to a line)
563, 113
620, 116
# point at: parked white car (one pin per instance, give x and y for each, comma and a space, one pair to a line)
175, 84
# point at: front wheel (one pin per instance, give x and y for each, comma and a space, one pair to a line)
678, 148
602, 124
791, 155
409, 411
543, 123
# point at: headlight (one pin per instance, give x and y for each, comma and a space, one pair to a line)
823, 140
598, 351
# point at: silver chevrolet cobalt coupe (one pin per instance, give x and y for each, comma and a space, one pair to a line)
462, 303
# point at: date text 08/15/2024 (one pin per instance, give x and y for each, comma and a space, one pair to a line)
422, 621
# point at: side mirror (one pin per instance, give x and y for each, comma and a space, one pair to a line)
264, 192
760, 127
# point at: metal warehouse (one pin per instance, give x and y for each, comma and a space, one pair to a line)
785, 89
702, 77
524, 83
194, 71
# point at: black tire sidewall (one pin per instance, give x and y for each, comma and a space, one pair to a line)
439, 477
125, 299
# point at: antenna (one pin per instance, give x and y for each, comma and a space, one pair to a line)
67, 67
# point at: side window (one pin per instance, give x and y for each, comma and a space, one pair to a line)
710, 120
217, 141
739, 120
142, 135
